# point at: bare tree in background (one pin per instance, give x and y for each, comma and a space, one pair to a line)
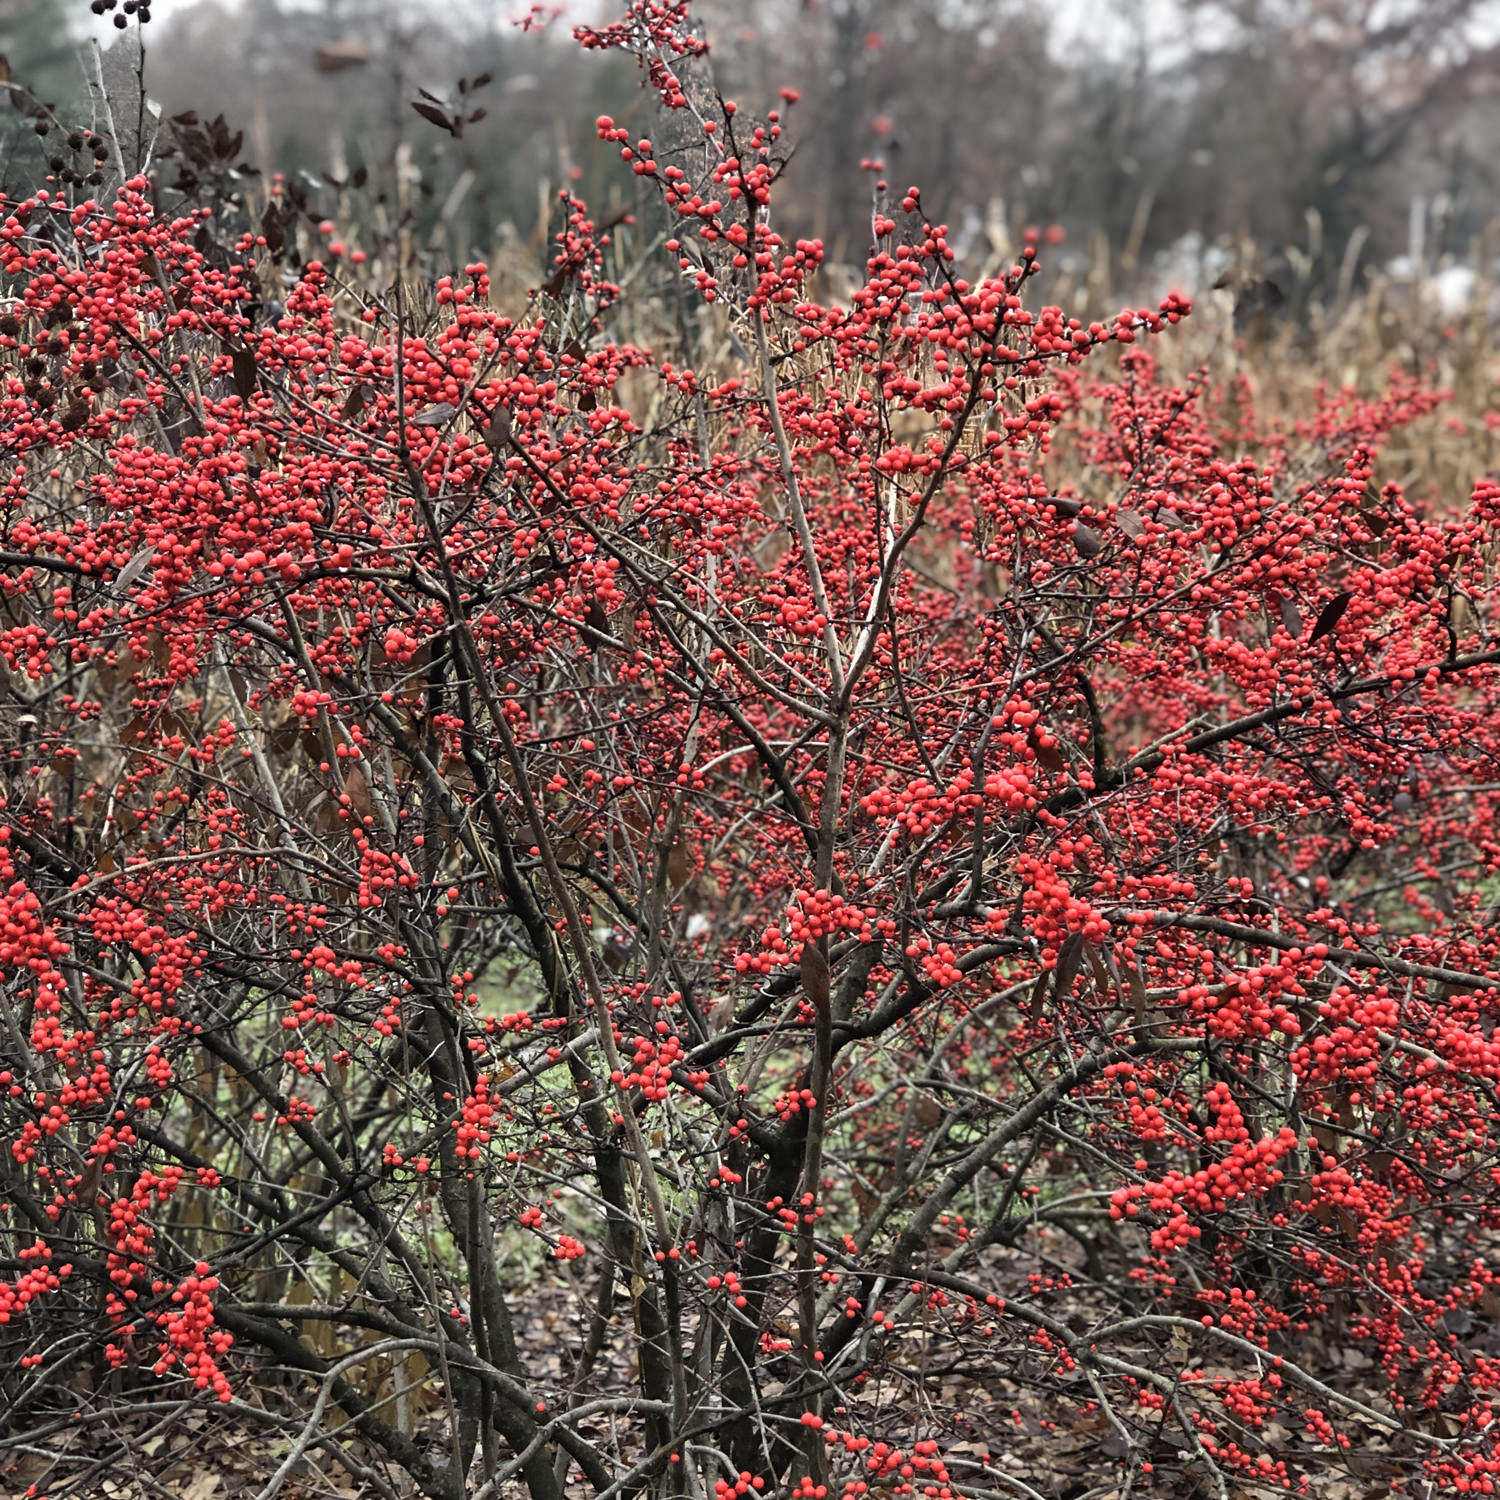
1288, 122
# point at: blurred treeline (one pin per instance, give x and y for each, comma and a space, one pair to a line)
1333, 134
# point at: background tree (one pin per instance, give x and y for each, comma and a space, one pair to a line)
1308, 129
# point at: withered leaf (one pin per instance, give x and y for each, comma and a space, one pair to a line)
358, 789
435, 115
815, 977
359, 397
1086, 540
1048, 756
1330, 615
243, 363
271, 226
1037, 1003
134, 568
434, 416
1098, 963
1291, 617
497, 429
1069, 961
88, 1185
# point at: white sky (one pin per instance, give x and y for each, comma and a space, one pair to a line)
1098, 26
1074, 21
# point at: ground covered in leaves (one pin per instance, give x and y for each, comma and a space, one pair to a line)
1006, 1422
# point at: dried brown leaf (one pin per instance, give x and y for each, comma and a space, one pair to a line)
1330, 615
815, 976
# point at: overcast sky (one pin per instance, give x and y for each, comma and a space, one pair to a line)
1075, 22
1107, 27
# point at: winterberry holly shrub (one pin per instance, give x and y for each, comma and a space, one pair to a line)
494, 814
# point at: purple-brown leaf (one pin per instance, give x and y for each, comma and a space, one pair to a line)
1330, 615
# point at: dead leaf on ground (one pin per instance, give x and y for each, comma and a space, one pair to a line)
201, 1486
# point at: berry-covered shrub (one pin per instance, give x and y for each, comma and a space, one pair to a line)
907, 866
